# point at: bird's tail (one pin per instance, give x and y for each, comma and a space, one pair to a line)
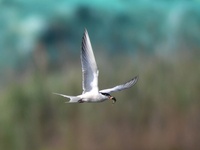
73, 99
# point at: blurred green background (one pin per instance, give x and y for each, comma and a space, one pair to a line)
159, 40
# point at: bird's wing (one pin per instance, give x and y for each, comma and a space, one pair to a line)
122, 86
89, 66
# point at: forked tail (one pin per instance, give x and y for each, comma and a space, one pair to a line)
73, 99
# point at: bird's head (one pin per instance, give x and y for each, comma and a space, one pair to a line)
108, 96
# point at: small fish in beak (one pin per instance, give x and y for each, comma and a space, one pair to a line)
113, 99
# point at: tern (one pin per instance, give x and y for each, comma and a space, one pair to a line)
90, 74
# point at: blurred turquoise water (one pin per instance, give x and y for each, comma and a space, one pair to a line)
123, 26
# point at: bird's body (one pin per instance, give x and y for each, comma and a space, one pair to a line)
90, 74
90, 97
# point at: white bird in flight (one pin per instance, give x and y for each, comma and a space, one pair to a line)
90, 74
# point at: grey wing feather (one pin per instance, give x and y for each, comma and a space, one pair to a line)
89, 66
122, 86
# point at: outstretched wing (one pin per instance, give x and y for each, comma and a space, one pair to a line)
89, 66
122, 86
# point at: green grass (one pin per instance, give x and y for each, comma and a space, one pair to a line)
160, 112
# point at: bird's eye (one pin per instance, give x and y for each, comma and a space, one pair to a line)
106, 94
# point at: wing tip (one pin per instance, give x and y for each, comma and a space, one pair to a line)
85, 33
136, 78
85, 30
84, 38
133, 81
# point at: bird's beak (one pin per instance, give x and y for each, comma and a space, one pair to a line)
113, 99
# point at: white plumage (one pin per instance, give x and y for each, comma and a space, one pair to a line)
90, 73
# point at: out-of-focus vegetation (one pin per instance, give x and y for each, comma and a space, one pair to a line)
40, 47
160, 112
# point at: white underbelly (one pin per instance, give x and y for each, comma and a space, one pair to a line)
91, 97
